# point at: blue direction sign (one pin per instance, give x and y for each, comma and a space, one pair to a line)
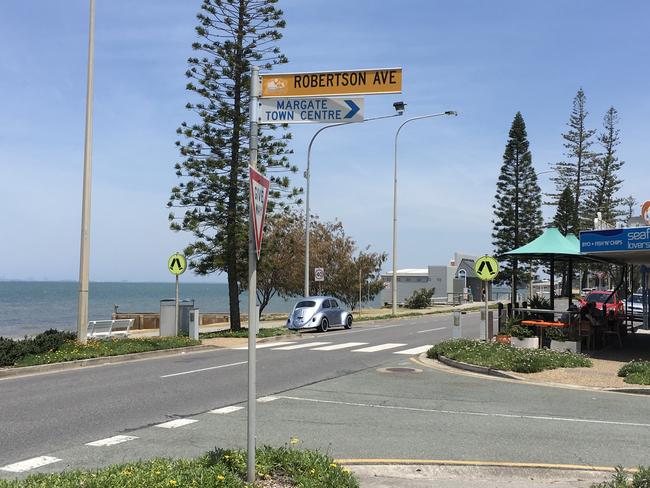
630, 239
310, 110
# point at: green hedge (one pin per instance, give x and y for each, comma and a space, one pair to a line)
72, 350
506, 357
220, 468
636, 372
14, 350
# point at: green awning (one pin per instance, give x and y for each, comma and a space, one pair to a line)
550, 243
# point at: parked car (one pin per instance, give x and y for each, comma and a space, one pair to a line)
634, 305
319, 313
614, 307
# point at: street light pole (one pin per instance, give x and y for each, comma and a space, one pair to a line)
308, 177
84, 254
394, 277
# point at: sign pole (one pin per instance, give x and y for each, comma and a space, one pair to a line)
252, 284
485, 286
176, 309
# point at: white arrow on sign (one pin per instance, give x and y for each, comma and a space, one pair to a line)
259, 188
310, 110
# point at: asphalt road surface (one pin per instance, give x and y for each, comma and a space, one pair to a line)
327, 390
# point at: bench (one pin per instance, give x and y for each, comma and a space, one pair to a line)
100, 329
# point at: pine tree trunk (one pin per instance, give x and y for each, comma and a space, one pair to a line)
232, 244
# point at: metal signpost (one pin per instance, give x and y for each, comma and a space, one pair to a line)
310, 110
276, 99
177, 264
486, 268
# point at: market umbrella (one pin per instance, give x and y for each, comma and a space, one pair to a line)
553, 246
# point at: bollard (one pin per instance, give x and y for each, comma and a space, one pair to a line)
457, 328
194, 324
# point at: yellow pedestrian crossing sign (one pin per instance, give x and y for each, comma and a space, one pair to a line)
177, 264
486, 268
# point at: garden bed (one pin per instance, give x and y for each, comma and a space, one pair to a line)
276, 467
504, 357
243, 332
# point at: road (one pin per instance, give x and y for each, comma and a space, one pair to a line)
326, 390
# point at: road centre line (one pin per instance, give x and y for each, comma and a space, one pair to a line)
430, 330
471, 414
29, 464
111, 441
204, 369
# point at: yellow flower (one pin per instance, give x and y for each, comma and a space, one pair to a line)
157, 472
294, 441
221, 477
172, 482
312, 471
226, 456
332, 465
346, 470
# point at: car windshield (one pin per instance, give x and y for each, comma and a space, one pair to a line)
597, 297
306, 304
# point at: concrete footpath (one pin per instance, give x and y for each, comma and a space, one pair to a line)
473, 476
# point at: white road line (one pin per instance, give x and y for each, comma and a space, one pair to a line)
265, 345
204, 369
380, 347
29, 464
111, 441
430, 330
267, 399
300, 346
472, 414
224, 410
415, 350
335, 347
173, 424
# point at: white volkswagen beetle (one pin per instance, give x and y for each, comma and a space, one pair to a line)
320, 313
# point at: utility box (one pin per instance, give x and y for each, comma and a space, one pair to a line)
167, 313
457, 327
195, 322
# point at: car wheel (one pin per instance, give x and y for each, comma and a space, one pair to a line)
324, 325
348, 322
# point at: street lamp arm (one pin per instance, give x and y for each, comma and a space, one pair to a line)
308, 178
394, 276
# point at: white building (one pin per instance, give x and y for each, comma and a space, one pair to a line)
452, 283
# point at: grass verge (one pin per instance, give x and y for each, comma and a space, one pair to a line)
243, 332
620, 479
506, 357
72, 350
636, 372
429, 311
276, 467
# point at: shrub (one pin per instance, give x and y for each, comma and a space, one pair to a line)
636, 372
506, 357
520, 332
12, 351
218, 469
540, 302
640, 479
555, 334
420, 298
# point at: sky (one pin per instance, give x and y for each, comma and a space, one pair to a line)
486, 60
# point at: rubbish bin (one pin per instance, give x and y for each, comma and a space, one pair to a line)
167, 312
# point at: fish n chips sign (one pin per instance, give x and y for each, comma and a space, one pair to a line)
321, 84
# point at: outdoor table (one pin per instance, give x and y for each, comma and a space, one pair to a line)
540, 324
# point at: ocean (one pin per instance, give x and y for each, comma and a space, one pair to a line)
30, 307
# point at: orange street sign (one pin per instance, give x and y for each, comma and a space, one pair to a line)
348, 82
